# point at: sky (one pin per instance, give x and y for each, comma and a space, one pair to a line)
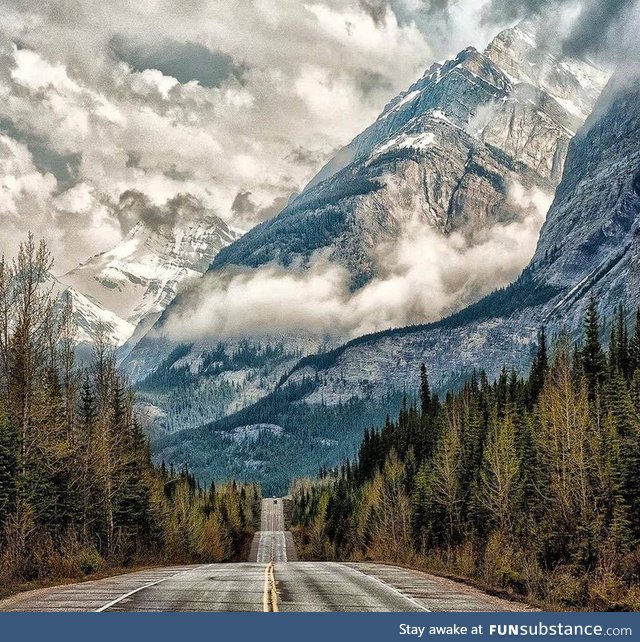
236, 102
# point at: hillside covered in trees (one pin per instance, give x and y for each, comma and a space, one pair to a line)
78, 490
529, 485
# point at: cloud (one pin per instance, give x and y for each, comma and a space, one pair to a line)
422, 277
135, 207
184, 61
65, 167
247, 211
225, 98
594, 27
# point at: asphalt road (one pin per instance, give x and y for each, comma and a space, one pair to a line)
271, 581
272, 543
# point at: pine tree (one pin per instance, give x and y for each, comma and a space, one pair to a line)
593, 358
8, 469
425, 392
538, 369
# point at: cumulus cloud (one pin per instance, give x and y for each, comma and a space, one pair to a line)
422, 277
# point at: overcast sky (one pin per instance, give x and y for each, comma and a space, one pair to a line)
238, 102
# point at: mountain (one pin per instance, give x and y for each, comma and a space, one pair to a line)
445, 152
89, 315
165, 248
589, 246
448, 153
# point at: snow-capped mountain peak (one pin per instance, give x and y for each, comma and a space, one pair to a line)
140, 276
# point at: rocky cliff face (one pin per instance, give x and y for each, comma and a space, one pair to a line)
445, 152
590, 244
138, 278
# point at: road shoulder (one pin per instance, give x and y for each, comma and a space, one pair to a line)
435, 593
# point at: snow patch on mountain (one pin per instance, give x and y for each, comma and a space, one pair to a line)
89, 315
140, 276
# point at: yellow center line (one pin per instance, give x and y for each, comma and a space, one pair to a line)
270, 592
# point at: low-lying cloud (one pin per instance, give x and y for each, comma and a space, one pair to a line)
423, 276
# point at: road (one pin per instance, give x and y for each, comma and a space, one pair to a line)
272, 580
272, 543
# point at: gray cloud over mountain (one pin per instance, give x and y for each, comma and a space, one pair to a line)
598, 26
184, 61
208, 97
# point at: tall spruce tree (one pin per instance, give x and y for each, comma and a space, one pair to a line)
593, 357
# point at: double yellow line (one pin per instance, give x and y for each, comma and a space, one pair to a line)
270, 595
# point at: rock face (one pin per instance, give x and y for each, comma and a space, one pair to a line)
138, 278
446, 152
590, 244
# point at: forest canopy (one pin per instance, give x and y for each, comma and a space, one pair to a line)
78, 490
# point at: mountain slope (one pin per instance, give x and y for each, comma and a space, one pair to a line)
89, 315
138, 278
446, 151
590, 245
447, 155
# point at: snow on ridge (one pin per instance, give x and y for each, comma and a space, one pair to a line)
406, 141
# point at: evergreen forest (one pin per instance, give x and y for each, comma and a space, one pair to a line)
78, 491
529, 486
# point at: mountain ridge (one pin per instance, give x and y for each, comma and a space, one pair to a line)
165, 248
590, 246
442, 155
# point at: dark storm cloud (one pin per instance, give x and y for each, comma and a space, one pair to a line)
598, 30
592, 32
370, 81
307, 157
249, 213
184, 61
377, 9
135, 207
133, 159
243, 205
65, 167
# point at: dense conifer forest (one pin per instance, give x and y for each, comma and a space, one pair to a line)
78, 490
528, 485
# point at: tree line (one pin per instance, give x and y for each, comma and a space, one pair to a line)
78, 489
529, 485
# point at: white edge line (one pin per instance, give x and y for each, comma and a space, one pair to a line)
140, 588
392, 588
